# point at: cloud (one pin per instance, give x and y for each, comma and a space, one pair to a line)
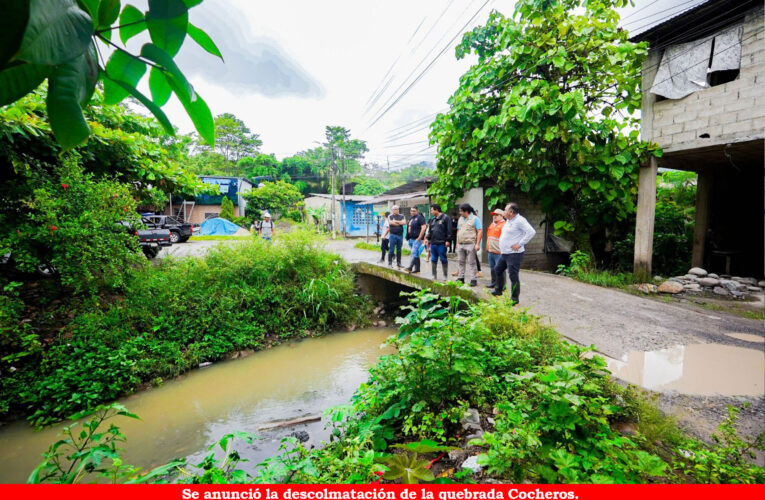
252, 64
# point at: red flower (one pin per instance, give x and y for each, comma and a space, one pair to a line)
64, 186
114, 196
53, 228
379, 473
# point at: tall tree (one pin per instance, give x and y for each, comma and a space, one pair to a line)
549, 107
234, 140
347, 152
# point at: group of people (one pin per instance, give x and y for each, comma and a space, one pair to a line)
506, 238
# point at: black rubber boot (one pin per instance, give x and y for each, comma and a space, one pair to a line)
493, 280
434, 270
445, 267
416, 265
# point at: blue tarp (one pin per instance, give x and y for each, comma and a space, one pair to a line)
218, 226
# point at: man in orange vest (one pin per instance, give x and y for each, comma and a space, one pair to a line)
492, 239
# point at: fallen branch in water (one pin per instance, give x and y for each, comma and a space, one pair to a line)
288, 423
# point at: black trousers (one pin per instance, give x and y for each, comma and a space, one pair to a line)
384, 247
512, 263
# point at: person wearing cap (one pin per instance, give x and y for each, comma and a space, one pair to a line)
266, 229
516, 233
384, 237
492, 242
469, 232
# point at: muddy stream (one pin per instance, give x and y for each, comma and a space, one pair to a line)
183, 416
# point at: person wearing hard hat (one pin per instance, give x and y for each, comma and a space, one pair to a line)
266, 229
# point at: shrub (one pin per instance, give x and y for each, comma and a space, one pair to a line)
173, 316
226, 209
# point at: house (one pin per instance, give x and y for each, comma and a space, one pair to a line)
207, 206
359, 219
704, 104
544, 251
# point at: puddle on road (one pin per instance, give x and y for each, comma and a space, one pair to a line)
748, 337
697, 369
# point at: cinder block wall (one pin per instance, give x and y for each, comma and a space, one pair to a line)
732, 112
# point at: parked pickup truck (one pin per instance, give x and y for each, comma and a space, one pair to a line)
179, 231
151, 240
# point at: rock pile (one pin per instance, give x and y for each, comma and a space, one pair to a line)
697, 281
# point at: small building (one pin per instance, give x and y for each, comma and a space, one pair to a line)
207, 206
544, 251
359, 218
704, 104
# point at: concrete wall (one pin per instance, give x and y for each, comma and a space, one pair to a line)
732, 112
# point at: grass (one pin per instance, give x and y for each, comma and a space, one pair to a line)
371, 246
604, 278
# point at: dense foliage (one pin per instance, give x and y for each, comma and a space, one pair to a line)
59, 41
673, 226
549, 107
59, 211
171, 318
277, 197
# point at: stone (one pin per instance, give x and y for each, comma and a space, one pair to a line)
747, 281
754, 289
697, 271
732, 286
471, 463
647, 288
695, 287
658, 278
690, 277
761, 284
713, 275
475, 435
458, 455
679, 279
491, 421
737, 294
376, 310
471, 421
301, 436
710, 282
381, 323
720, 290
670, 287
626, 428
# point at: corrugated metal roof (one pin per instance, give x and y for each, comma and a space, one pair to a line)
339, 197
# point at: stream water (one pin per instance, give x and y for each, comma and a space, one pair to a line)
183, 416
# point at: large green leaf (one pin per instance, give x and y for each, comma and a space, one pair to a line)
19, 79
160, 89
159, 56
168, 34
155, 110
108, 12
199, 113
131, 23
204, 40
91, 6
125, 68
13, 22
67, 89
58, 31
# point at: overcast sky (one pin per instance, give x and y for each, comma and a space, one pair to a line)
294, 66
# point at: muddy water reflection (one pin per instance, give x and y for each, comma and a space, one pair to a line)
185, 415
700, 369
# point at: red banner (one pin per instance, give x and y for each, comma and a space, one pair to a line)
382, 492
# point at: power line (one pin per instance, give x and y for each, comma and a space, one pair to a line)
639, 10
429, 53
430, 65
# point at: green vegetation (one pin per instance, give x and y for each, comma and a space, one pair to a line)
59, 41
556, 414
226, 209
580, 268
549, 107
170, 318
376, 247
279, 198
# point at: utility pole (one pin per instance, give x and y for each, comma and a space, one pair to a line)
332, 170
342, 176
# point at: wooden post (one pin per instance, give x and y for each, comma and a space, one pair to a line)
703, 190
646, 210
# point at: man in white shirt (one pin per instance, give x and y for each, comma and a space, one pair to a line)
516, 233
